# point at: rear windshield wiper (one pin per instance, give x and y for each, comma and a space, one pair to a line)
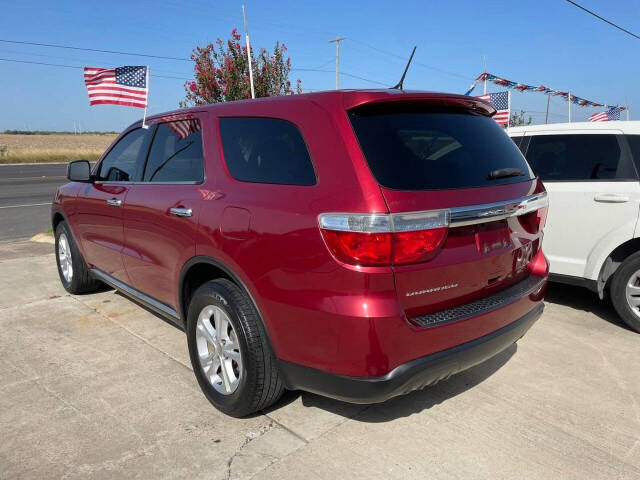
504, 173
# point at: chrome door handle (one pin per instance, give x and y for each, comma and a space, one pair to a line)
610, 198
114, 202
181, 212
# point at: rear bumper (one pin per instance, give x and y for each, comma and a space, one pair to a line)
413, 375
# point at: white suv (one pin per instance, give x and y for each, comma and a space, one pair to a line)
592, 235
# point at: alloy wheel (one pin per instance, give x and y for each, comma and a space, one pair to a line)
64, 258
218, 349
632, 293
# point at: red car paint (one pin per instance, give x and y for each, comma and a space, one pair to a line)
319, 312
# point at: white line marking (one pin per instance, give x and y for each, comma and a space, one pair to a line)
29, 205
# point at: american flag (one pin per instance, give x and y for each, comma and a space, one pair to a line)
117, 86
184, 128
500, 102
608, 116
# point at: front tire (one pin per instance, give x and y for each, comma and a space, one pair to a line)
230, 354
625, 291
74, 274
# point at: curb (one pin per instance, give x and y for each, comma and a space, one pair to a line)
43, 238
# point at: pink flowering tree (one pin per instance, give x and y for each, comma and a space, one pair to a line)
222, 74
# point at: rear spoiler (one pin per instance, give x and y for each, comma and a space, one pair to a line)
437, 101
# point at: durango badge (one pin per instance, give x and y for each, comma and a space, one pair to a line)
432, 290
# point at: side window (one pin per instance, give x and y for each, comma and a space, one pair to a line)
578, 157
176, 153
522, 143
123, 162
266, 150
634, 145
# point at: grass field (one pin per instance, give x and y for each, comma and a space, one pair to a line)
52, 148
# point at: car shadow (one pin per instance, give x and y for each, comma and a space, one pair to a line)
580, 298
405, 405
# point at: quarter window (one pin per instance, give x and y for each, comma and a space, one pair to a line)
578, 158
266, 150
176, 153
124, 161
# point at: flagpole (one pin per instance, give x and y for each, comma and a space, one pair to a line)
626, 101
484, 64
144, 117
569, 102
246, 37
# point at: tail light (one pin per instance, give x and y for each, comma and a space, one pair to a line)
383, 240
532, 214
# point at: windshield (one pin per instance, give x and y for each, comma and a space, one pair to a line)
419, 149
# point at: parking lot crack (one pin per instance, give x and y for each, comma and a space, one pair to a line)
250, 437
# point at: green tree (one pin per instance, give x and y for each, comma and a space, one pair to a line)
517, 119
221, 73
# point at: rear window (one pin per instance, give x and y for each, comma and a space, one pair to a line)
176, 153
418, 149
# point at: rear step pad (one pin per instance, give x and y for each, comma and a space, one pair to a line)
483, 305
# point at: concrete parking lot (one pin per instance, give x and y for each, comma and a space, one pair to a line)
94, 386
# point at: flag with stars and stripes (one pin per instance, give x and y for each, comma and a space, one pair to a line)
184, 128
608, 116
126, 86
499, 101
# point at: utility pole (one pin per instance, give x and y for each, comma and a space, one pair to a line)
569, 102
246, 37
337, 41
546, 118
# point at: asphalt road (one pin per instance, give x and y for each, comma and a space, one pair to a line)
25, 198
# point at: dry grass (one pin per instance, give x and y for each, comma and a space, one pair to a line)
52, 148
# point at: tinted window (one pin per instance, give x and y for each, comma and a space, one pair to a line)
521, 143
123, 161
410, 148
578, 157
266, 150
176, 153
634, 144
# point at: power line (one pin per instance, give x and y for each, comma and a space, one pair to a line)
404, 59
183, 78
603, 19
341, 73
115, 52
73, 66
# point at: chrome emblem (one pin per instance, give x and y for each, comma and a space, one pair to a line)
432, 290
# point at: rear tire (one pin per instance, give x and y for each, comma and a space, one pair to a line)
74, 274
625, 291
224, 331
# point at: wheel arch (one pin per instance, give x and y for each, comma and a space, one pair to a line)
201, 269
613, 261
56, 217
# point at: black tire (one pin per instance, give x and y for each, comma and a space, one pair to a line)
81, 280
619, 283
259, 383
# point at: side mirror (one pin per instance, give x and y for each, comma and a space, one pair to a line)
79, 171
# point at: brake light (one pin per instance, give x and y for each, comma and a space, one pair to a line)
532, 214
383, 240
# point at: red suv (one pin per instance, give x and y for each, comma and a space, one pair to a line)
355, 244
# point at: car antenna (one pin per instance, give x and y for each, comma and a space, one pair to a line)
399, 85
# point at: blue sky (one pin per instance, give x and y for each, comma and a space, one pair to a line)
547, 42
